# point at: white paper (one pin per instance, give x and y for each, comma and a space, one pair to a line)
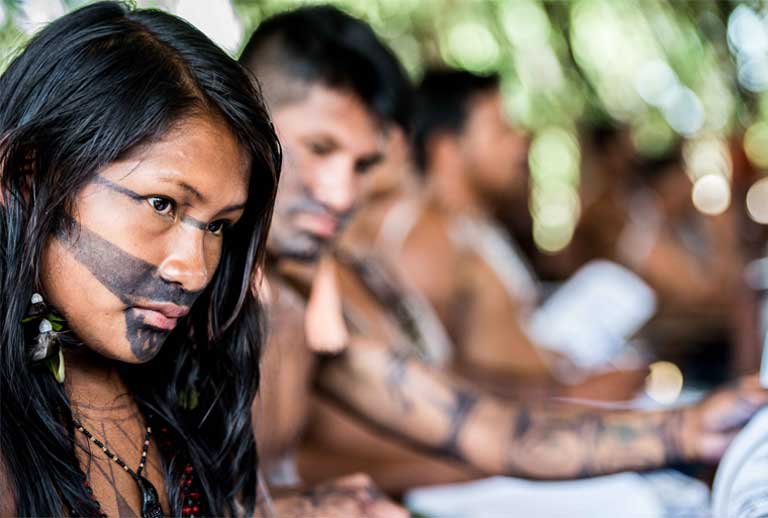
590, 317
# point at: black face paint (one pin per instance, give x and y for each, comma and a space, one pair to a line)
133, 281
189, 220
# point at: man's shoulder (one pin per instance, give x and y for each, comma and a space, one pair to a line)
284, 298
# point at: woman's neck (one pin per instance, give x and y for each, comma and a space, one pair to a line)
94, 386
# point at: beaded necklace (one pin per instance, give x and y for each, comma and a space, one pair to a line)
150, 505
150, 501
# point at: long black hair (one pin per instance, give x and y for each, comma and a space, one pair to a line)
85, 91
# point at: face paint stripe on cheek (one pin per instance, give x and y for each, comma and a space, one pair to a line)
132, 280
129, 278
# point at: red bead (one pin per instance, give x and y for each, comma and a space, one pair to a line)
194, 495
188, 469
188, 482
186, 510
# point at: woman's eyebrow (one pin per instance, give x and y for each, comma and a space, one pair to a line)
137, 197
167, 179
233, 207
183, 185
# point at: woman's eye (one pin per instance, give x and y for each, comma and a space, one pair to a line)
217, 227
161, 205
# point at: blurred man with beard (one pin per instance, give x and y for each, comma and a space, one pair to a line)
323, 77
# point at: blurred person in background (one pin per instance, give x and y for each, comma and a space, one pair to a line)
608, 158
332, 115
692, 260
449, 246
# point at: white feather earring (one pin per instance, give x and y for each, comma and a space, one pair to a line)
44, 328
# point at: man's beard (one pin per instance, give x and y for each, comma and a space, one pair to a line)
301, 247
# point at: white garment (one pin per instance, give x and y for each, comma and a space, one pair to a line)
663, 494
493, 244
741, 483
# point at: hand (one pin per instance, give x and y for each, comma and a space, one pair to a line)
351, 496
371, 501
710, 426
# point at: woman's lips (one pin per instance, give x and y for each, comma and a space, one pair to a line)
163, 316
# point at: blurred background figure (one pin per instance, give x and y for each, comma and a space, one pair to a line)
473, 164
692, 260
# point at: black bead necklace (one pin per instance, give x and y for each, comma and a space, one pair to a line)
150, 502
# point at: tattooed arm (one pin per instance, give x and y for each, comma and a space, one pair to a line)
429, 410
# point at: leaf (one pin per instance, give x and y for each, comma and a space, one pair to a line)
188, 398
56, 366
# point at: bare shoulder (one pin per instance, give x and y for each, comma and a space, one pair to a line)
285, 305
430, 259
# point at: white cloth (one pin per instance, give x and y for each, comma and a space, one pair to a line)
664, 494
501, 254
741, 484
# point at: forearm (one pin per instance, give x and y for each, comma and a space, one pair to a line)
423, 407
567, 443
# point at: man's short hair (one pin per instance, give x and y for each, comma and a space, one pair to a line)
292, 51
441, 105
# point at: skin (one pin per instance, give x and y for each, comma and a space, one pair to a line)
323, 175
352, 495
137, 238
475, 172
324, 165
151, 250
493, 152
281, 411
690, 286
433, 412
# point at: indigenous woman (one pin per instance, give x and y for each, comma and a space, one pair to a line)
138, 169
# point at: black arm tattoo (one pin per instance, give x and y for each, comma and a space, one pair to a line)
567, 443
454, 404
458, 413
396, 379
